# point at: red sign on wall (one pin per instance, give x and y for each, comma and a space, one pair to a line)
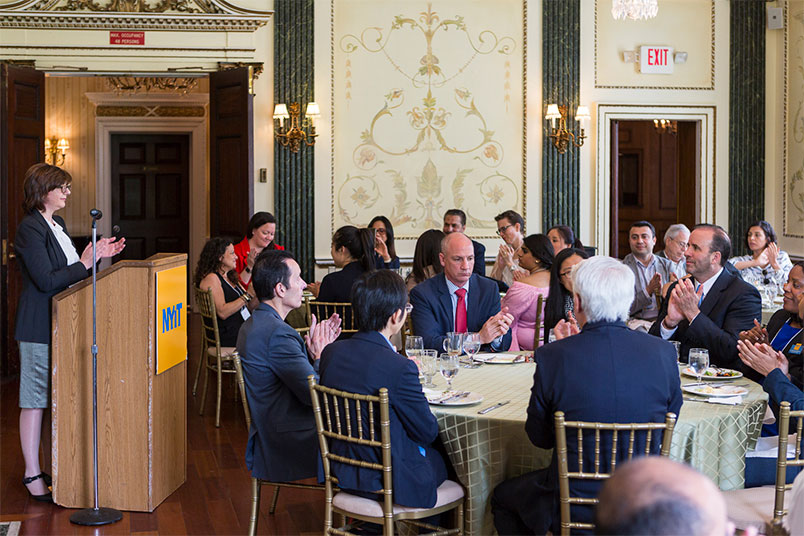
126, 38
656, 59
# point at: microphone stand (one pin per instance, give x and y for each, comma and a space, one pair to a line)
95, 516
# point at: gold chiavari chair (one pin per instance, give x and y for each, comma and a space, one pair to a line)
256, 483
407, 331
323, 310
564, 474
222, 355
764, 507
333, 411
538, 334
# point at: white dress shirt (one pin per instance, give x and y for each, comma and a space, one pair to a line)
64, 241
706, 285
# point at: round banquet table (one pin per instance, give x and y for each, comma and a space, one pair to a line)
487, 449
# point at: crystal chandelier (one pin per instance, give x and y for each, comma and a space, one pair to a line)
634, 9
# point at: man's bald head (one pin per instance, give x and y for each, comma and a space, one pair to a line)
457, 257
655, 496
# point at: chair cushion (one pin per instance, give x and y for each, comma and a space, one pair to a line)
448, 492
752, 506
226, 351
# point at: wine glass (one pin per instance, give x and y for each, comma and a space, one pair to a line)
414, 346
429, 367
449, 368
471, 345
677, 346
699, 361
453, 344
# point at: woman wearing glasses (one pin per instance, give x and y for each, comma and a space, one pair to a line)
49, 264
559, 300
384, 243
511, 228
767, 267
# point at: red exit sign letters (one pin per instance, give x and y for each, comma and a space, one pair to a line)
126, 38
656, 60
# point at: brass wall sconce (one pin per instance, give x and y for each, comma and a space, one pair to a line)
666, 126
56, 151
561, 136
290, 129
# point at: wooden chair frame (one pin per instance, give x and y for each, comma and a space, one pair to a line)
257, 483
538, 333
345, 430
211, 339
785, 415
564, 475
323, 310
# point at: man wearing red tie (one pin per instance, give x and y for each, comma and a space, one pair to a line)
458, 300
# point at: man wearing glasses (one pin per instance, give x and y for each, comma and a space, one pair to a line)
675, 242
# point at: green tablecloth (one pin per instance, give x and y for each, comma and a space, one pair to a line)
487, 449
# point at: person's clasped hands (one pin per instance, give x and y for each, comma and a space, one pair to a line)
762, 357
321, 334
496, 326
105, 247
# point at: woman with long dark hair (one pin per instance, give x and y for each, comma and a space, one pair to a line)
384, 243
215, 271
49, 263
559, 299
536, 256
563, 237
767, 267
426, 262
259, 236
353, 252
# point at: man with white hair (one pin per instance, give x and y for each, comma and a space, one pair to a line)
675, 243
635, 380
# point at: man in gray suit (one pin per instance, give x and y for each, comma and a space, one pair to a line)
650, 271
282, 443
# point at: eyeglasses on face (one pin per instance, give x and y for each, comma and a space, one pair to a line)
65, 188
565, 273
502, 229
408, 308
380, 230
681, 244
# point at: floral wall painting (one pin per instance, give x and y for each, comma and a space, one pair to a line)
794, 109
428, 112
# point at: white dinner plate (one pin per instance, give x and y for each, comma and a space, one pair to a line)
733, 374
714, 390
500, 359
437, 399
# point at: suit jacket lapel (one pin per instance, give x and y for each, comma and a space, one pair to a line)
713, 295
446, 301
52, 243
473, 304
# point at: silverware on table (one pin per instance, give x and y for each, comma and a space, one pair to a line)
491, 408
455, 397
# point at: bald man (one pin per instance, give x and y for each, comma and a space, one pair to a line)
459, 300
656, 496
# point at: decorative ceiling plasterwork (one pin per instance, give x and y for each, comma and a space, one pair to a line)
217, 15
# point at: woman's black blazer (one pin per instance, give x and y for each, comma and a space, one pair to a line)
44, 274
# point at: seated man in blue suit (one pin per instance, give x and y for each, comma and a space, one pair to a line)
367, 362
635, 380
455, 222
282, 442
458, 300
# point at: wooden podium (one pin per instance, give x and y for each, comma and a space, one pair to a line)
142, 416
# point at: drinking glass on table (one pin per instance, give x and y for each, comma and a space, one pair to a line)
677, 346
471, 345
449, 368
429, 366
699, 361
453, 344
414, 346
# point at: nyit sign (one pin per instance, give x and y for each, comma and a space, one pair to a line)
171, 321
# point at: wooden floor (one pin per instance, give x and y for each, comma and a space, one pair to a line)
215, 499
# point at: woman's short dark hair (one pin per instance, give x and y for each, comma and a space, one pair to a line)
210, 260
770, 234
40, 180
567, 235
359, 243
554, 309
513, 217
270, 269
389, 233
428, 246
258, 220
541, 248
376, 296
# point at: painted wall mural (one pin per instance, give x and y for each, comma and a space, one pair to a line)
794, 109
428, 112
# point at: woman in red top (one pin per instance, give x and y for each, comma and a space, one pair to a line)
259, 236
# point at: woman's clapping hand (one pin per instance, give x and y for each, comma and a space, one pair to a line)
105, 247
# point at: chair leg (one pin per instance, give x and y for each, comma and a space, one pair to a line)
198, 370
274, 500
220, 387
459, 515
255, 506
206, 384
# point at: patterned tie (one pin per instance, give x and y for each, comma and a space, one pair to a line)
699, 293
460, 311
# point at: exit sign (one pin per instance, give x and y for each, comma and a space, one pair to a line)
656, 60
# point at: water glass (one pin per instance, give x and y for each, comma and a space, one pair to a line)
551, 337
453, 344
699, 361
449, 368
471, 344
429, 367
677, 346
413, 346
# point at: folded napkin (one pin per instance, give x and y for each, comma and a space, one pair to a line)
728, 400
499, 358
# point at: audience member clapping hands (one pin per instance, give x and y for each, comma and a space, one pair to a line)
321, 334
105, 247
496, 326
762, 357
565, 328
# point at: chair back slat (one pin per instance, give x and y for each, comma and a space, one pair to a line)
781, 486
538, 332
209, 317
323, 310
564, 475
241, 384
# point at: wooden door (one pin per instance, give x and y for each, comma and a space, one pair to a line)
150, 193
231, 158
22, 141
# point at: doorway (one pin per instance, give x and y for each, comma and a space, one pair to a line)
150, 193
654, 176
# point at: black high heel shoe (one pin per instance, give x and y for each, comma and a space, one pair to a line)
45, 497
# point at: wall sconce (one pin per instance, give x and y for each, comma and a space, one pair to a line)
56, 151
561, 136
299, 130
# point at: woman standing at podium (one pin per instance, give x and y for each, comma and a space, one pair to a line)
49, 264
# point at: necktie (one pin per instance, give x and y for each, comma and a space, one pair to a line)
460, 311
699, 293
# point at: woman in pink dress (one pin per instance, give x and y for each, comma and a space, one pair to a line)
536, 256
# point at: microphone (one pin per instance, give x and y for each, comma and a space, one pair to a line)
115, 230
96, 214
